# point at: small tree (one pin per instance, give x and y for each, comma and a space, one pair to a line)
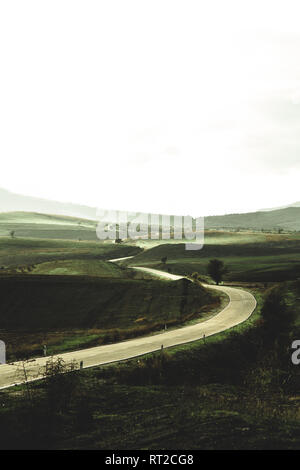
12, 233
216, 269
61, 382
164, 259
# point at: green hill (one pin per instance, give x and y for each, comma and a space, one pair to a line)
18, 252
287, 219
79, 267
35, 225
270, 261
47, 302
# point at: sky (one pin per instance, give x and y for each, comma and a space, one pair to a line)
180, 107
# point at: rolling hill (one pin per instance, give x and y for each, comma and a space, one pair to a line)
70, 219
11, 202
287, 219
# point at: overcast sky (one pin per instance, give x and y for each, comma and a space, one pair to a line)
188, 107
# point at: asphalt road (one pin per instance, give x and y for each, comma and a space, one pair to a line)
240, 307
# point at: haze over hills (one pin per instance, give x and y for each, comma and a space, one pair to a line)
15, 206
12, 202
295, 204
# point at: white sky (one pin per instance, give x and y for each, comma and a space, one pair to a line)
188, 107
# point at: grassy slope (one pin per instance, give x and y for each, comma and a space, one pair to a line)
275, 258
35, 302
71, 311
223, 395
209, 404
34, 225
26, 251
282, 218
216, 395
81, 267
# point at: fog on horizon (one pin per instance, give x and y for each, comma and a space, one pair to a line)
147, 107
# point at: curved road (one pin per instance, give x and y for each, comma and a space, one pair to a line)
240, 307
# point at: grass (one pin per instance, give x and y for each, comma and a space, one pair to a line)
193, 398
236, 390
287, 219
18, 252
37, 309
81, 268
158, 417
273, 261
34, 225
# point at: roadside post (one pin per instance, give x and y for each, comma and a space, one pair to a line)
2, 352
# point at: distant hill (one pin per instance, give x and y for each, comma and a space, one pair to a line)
43, 211
34, 225
11, 202
295, 204
287, 219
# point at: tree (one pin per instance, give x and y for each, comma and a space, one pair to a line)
164, 259
12, 233
216, 269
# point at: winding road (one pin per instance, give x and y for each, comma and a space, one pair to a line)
241, 305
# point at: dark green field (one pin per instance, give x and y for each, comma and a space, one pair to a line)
53, 302
67, 312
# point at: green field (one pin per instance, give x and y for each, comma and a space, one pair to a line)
272, 260
79, 267
235, 390
34, 225
26, 251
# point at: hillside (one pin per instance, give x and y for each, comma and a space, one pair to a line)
27, 252
10, 202
287, 219
274, 260
34, 218
36, 225
70, 312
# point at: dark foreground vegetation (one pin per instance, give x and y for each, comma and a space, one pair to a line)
69, 312
238, 390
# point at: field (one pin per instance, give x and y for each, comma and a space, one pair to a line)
44, 226
249, 258
236, 390
68, 296
81, 267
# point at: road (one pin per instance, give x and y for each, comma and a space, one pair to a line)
240, 307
